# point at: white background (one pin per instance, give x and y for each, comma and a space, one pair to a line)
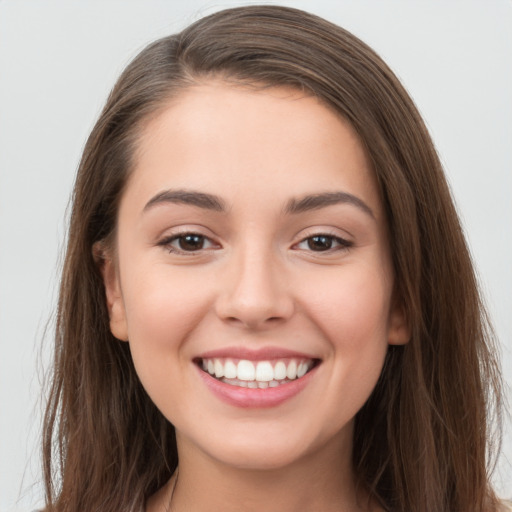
58, 60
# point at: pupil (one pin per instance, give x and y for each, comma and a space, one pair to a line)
191, 242
320, 243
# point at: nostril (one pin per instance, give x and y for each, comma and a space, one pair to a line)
254, 321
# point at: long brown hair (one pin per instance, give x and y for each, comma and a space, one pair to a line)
421, 440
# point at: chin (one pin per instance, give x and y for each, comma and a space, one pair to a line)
260, 457
265, 447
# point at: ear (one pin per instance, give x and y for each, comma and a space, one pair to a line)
107, 265
399, 330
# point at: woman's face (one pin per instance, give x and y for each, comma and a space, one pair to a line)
252, 276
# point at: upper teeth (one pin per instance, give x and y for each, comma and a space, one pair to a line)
261, 371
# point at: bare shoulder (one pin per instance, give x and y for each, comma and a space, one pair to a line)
506, 506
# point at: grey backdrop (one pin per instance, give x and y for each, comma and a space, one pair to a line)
58, 60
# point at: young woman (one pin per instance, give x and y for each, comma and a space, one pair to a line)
267, 301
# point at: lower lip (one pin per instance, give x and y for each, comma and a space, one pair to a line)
255, 397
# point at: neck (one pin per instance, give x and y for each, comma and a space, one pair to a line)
321, 481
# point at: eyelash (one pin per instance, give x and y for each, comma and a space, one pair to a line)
342, 244
168, 241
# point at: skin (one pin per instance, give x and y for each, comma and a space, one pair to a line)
256, 282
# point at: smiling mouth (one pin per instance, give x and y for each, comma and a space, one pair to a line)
257, 374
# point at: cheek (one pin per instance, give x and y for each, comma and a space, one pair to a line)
353, 317
162, 309
353, 309
354, 320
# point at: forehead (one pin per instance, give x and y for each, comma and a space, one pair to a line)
228, 139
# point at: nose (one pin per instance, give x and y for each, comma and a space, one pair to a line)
255, 293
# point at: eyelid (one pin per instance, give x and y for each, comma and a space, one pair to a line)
166, 240
343, 243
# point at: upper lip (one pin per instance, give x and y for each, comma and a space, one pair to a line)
259, 354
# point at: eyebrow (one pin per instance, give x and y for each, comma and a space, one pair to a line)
189, 197
317, 201
294, 206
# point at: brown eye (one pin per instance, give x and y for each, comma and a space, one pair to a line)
187, 243
191, 242
320, 243
323, 243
